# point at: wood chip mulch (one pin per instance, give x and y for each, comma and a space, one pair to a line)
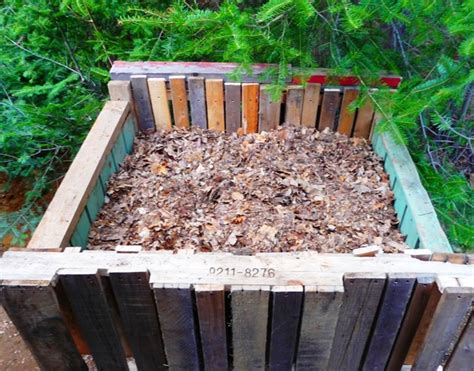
293, 189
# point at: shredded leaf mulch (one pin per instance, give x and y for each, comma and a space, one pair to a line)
293, 189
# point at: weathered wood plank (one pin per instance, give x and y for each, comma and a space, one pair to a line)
346, 117
249, 326
34, 311
139, 317
269, 112
215, 104
286, 311
329, 108
179, 99
175, 310
86, 295
318, 325
463, 354
120, 90
250, 107
312, 94
81, 234
197, 101
294, 104
159, 103
363, 123
141, 99
232, 107
394, 305
210, 304
356, 317
128, 133
95, 202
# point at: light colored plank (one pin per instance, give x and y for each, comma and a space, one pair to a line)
159, 103
371, 250
363, 123
120, 90
329, 108
215, 104
232, 107
294, 104
312, 94
141, 99
64, 211
346, 117
197, 101
269, 111
179, 99
250, 107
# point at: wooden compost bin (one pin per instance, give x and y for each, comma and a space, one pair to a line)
215, 311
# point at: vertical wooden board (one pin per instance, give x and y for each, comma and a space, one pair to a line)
232, 107
363, 123
249, 326
159, 103
346, 117
408, 228
88, 302
128, 134
312, 93
36, 315
294, 105
329, 108
400, 204
179, 100
119, 151
446, 323
318, 324
356, 317
394, 305
107, 171
197, 102
210, 303
81, 234
122, 91
416, 308
142, 102
269, 111
215, 104
463, 354
286, 311
95, 201
175, 311
139, 317
250, 107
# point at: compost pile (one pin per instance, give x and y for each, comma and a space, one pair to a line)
292, 189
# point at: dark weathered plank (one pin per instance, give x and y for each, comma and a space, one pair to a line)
346, 117
210, 303
89, 304
463, 354
179, 99
329, 108
250, 107
141, 98
294, 105
175, 310
318, 325
312, 94
232, 107
415, 310
286, 311
394, 305
197, 102
36, 315
215, 104
269, 111
249, 326
358, 311
139, 317
363, 123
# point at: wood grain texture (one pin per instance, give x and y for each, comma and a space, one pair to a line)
212, 325
394, 305
346, 117
139, 317
122, 91
233, 115
356, 317
179, 99
249, 326
175, 310
363, 123
159, 103
142, 103
329, 108
197, 102
294, 105
90, 307
269, 111
286, 310
36, 315
215, 104
250, 103
312, 94
463, 354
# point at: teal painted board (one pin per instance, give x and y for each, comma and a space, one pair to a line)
377, 145
81, 234
95, 201
390, 170
107, 171
128, 134
400, 204
119, 151
408, 228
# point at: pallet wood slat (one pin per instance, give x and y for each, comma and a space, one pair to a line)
197, 101
363, 123
128, 134
81, 234
215, 104
95, 202
179, 99
210, 302
141, 98
233, 115
175, 311
139, 317
250, 105
346, 118
88, 301
309, 114
249, 326
463, 353
286, 310
122, 91
269, 113
294, 105
329, 108
159, 103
